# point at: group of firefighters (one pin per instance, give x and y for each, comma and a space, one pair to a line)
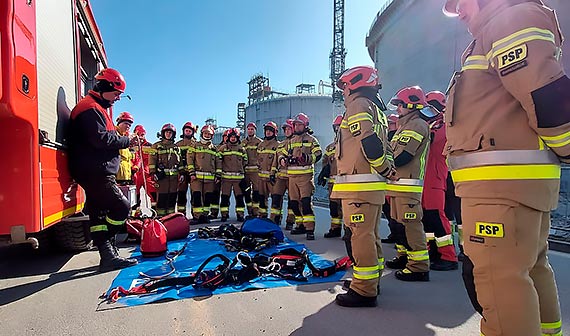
507, 119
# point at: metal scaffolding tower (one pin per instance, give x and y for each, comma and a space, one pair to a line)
338, 53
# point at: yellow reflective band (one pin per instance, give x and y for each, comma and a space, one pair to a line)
232, 177
316, 149
475, 62
148, 150
366, 268
53, 218
404, 188
197, 209
299, 218
412, 134
518, 38
299, 171
552, 328
444, 241
214, 206
421, 257
362, 116
366, 276
224, 209
265, 175
207, 151
336, 220
365, 186
330, 152
308, 218
251, 147
234, 153
98, 228
161, 211
378, 162
114, 222
558, 140
401, 248
266, 151
263, 210
301, 144
239, 209
507, 172
151, 166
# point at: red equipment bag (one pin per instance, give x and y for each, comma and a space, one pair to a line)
177, 226
153, 238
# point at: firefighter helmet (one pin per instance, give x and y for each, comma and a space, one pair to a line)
358, 77
411, 97
251, 124
301, 118
436, 99
287, 123
139, 130
191, 126
114, 78
337, 120
272, 126
226, 132
233, 132
168, 127
208, 129
125, 116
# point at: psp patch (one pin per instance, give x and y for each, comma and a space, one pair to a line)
493, 230
404, 139
512, 60
354, 128
357, 218
410, 215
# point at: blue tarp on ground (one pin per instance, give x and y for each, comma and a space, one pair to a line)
195, 253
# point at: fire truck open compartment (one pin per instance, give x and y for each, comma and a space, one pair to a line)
51, 51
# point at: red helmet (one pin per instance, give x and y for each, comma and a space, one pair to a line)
436, 99
115, 79
190, 125
271, 125
125, 116
337, 120
251, 124
208, 129
168, 127
357, 77
287, 123
301, 118
233, 131
139, 130
411, 97
226, 132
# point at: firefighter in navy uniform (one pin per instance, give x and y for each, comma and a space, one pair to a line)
303, 151
185, 145
93, 162
281, 182
205, 170
442, 254
508, 128
326, 176
265, 157
164, 165
251, 190
364, 160
234, 160
410, 146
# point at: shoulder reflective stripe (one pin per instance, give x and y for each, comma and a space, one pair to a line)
114, 222
363, 116
507, 172
520, 37
557, 141
502, 157
97, 228
476, 62
359, 178
362, 186
412, 134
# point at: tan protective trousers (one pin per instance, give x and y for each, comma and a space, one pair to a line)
277, 196
514, 283
265, 190
362, 219
409, 231
302, 187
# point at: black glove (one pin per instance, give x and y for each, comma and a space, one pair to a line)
272, 179
243, 186
292, 160
324, 175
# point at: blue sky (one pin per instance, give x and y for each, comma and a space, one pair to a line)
190, 60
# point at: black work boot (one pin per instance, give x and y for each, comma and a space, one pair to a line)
353, 299
310, 234
407, 275
397, 262
109, 261
333, 233
113, 241
299, 230
277, 220
289, 225
224, 218
444, 265
461, 254
346, 285
240, 218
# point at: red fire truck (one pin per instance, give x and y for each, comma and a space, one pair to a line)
50, 52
